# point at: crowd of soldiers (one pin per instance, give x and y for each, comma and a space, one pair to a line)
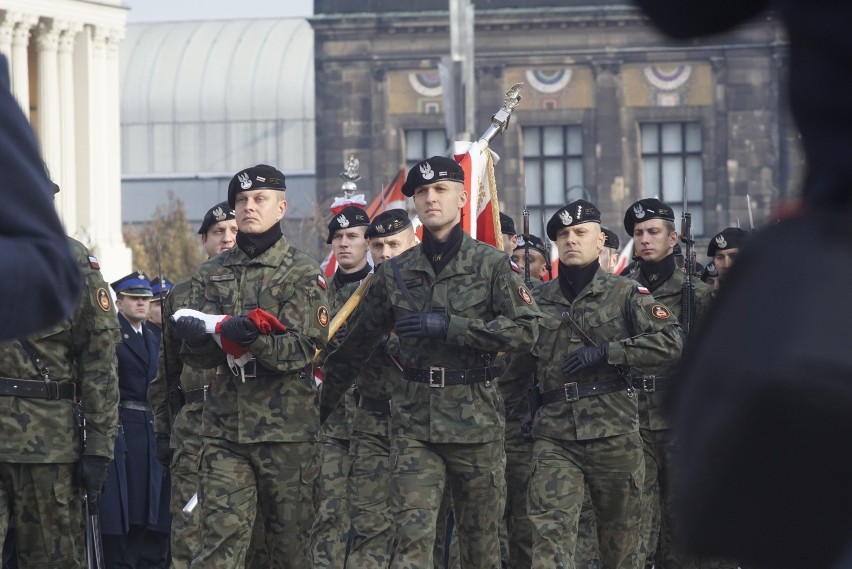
434, 404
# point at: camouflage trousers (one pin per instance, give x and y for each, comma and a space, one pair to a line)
587, 553
614, 469
519, 454
186, 527
475, 475
369, 500
236, 481
659, 519
48, 511
445, 554
330, 530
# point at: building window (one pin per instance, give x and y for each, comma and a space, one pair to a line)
671, 160
553, 171
422, 144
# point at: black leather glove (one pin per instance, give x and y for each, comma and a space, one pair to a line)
240, 330
585, 357
423, 325
164, 453
191, 329
92, 472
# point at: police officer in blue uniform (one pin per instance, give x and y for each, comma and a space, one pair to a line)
131, 504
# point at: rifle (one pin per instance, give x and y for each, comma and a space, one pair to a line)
687, 295
174, 395
94, 547
527, 278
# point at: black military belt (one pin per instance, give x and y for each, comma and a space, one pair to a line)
134, 405
574, 391
37, 388
375, 405
651, 383
195, 395
441, 377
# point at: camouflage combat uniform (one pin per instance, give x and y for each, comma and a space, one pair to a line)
259, 436
39, 441
593, 439
453, 433
331, 527
658, 521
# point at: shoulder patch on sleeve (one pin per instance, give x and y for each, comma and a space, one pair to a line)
322, 316
321, 282
93, 262
660, 312
643, 290
103, 298
525, 295
514, 266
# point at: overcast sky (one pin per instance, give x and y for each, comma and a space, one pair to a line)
175, 10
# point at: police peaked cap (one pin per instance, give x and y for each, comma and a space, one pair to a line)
507, 224
574, 213
728, 238
432, 170
219, 212
160, 289
260, 177
134, 284
611, 240
643, 210
388, 223
535, 243
350, 216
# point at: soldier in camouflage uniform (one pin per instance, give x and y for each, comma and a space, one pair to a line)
595, 325
389, 234
177, 397
651, 224
331, 527
724, 248
454, 303
259, 422
44, 379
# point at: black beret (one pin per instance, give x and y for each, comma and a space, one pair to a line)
349, 216
134, 284
728, 238
430, 171
535, 243
574, 213
388, 223
219, 212
507, 224
643, 210
709, 272
611, 240
260, 177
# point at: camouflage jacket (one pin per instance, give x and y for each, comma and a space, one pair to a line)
80, 350
610, 309
651, 414
339, 423
279, 405
174, 377
488, 309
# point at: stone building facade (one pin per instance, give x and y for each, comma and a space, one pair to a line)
63, 65
611, 110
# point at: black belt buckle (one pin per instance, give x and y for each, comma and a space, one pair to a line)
437, 382
649, 383
250, 369
572, 391
52, 388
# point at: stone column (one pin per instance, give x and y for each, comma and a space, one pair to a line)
66, 177
19, 64
49, 128
7, 30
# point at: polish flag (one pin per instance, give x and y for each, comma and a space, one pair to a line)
391, 197
481, 213
624, 258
